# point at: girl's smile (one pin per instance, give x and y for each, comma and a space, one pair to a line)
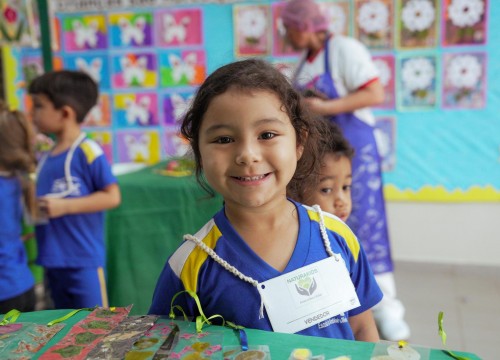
250, 180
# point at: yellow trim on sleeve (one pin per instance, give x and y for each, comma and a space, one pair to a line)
340, 228
191, 268
89, 152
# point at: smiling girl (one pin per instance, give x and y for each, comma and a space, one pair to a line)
250, 137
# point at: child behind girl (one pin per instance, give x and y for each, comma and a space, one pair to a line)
331, 187
17, 189
250, 137
331, 190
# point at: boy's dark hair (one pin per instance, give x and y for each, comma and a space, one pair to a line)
335, 143
249, 76
75, 89
332, 142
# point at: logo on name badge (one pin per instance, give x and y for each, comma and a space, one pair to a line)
306, 286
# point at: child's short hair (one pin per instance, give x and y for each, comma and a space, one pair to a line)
248, 76
75, 89
17, 154
335, 143
332, 142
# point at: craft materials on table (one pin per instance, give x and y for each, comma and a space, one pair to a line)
87, 334
255, 352
23, 340
193, 345
148, 345
109, 334
386, 350
122, 337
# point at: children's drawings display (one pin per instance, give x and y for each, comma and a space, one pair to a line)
432, 57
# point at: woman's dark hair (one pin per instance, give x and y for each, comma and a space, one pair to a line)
249, 76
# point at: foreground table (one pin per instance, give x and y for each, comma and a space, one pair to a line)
280, 345
156, 211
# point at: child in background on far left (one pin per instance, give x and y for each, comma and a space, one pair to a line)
17, 194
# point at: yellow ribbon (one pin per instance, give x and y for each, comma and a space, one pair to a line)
442, 334
10, 317
201, 319
71, 313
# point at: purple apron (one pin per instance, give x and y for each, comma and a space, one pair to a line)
368, 219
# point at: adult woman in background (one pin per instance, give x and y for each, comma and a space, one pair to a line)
340, 82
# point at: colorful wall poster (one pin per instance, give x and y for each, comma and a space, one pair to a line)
100, 114
134, 70
175, 143
95, 64
338, 14
18, 26
175, 105
418, 82
136, 109
86, 32
252, 29
131, 29
182, 67
373, 23
464, 22
417, 23
179, 27
138, 146
387, 77
464, 80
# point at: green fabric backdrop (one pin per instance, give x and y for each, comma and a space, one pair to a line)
156, 211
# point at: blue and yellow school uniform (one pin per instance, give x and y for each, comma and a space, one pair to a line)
75, 242
15, 275
220, 292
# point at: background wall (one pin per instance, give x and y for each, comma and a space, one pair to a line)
445, 233
438, 153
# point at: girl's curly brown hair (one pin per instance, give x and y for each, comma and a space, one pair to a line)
249, 76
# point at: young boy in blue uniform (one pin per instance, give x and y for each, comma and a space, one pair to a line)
74, 186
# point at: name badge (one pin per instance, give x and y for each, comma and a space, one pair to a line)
309, 295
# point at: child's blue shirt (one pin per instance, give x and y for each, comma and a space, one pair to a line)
76, 240
221, 292
15, 275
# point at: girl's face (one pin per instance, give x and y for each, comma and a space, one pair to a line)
333, 192
248, 148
